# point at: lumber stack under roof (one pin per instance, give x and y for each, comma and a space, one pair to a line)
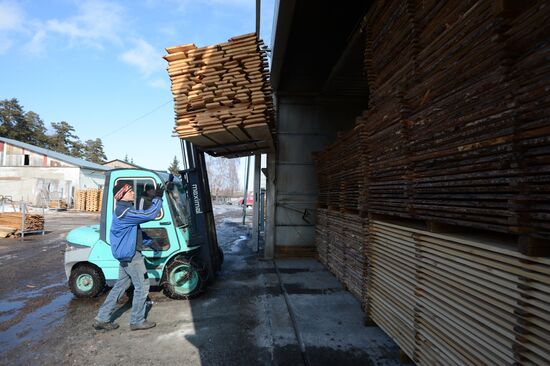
454, 184
454, 299
222, 96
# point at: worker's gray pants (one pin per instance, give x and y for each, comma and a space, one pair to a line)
132, 273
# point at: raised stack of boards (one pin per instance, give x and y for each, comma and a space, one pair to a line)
222, 96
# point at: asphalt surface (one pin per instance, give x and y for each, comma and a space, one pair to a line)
245, 317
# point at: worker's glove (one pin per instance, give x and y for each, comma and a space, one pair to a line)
159, 191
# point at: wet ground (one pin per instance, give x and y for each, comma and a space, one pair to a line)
290, 312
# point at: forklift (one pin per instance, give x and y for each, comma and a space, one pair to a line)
187, 254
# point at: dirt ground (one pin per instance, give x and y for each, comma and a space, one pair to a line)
241, 319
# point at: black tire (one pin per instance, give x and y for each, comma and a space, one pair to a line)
194, 279
86, 281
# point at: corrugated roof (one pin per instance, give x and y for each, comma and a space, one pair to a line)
55, 155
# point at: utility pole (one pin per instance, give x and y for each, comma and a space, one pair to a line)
246, 187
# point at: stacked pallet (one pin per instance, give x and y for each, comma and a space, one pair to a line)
10, 223
57, 204
88, 200
222, 96
80, 200
455, 300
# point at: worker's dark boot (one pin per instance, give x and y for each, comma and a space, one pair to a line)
141, 326
105, 326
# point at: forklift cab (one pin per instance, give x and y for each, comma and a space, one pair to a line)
174, 265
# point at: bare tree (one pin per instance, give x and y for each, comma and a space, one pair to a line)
223, 176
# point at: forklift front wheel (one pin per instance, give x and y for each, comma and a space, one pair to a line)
86, 281
183, 279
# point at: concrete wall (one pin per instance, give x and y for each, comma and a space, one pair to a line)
91, 179
36, 185
304, 125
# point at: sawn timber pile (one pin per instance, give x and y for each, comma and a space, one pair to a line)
455, 184
10, 223
222, 96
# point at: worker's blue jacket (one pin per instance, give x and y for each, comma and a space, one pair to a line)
125, 226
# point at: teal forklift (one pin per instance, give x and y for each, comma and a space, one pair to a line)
187, 254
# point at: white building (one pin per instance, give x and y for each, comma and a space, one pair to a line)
37, 175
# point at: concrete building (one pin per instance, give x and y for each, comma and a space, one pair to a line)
37, 175
117, 163
320, 88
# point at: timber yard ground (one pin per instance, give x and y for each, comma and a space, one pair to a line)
244, 318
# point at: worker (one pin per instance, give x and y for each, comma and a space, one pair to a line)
126, 244
147, 199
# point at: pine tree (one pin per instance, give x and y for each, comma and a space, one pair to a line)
93, 151
12, 121
174, 167
38, 130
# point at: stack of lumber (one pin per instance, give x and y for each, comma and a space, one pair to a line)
456, 138
457, 132
530, 76
80, 200
391, 286
10, 223
57, 204
355, 229
336, 258
456, 300
462, 111
340, 172
391, 46
388, 158
340, 242
321, 236
222, 96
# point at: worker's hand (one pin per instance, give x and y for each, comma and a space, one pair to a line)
159, 191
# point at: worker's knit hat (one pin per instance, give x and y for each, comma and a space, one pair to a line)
120, 190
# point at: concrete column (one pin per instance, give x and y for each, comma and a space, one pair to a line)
256, 216
269, 250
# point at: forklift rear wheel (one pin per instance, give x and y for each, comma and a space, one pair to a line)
183, 279
86, 281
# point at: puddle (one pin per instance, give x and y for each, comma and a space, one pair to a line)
237, 244
7, 257
33, 325
8, 309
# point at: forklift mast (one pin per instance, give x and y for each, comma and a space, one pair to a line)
202, 228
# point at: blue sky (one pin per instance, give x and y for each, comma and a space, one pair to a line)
98, 64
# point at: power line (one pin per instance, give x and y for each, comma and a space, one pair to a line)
137, 119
